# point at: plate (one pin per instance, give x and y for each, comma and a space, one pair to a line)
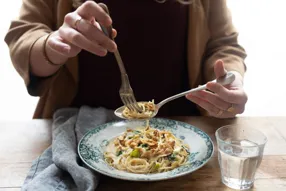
93, 144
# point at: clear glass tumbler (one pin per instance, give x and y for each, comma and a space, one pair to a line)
240, 152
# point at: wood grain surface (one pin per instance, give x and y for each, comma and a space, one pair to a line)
22, 142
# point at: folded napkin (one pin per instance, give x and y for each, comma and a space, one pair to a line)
59, 167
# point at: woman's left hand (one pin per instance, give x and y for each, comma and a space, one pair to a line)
222, 101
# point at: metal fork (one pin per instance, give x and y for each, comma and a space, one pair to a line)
125, 91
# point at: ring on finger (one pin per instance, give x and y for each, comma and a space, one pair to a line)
76, 23
219, 113
231, 109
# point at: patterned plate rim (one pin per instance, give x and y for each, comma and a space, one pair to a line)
131, 178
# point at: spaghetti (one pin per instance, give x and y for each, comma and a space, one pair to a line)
148, 108
146, 150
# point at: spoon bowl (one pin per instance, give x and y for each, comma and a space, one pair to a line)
224, 80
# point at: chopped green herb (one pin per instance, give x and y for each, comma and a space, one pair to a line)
172, 157
119, 153
136, 132
145, 145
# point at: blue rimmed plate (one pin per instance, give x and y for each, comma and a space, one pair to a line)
93, 144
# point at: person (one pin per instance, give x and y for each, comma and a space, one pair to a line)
167, 47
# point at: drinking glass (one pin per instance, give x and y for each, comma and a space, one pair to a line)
240, 152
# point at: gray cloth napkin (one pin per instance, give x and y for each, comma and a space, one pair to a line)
59, 167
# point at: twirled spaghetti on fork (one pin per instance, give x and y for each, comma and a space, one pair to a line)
148, 109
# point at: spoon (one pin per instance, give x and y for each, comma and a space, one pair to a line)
223, 80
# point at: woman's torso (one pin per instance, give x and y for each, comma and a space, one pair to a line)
152, 39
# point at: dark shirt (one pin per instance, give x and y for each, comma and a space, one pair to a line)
152, 39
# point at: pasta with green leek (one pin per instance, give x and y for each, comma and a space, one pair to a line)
146, 150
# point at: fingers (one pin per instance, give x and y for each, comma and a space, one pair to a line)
204, 104
79, 40
86, 33
219, 69
219, 103
114, 33
63, 48
231, 96
81, 30
59, 46
95, 35
212, 98
210, 108
90, 10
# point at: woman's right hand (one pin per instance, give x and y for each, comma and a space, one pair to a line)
81, 31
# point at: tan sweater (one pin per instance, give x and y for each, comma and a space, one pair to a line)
211, 36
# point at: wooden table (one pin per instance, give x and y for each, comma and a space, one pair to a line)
22, 142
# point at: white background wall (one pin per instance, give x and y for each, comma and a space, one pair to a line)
15, 103
262, 33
